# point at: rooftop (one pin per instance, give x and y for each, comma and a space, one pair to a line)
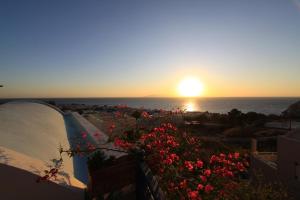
30, 134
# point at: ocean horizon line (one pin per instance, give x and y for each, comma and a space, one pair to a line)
166, 97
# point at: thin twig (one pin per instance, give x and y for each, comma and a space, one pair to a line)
98, 148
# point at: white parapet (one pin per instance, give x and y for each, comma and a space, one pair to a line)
101, 139
97, 135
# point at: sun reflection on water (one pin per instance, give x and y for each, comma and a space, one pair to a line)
191, 106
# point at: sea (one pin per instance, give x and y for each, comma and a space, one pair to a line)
270, 105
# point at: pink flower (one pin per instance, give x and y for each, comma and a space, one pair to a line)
168, 161
199, 164
203, 178
208, 188
183, 184
222, 156
117, 142
162, 152
207, 172
240, 166
188, 165
229, 174
213, 159
84, 135
193, 194
200, 187
174, 156
145, 115
236, 155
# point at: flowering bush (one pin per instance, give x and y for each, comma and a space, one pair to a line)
186, 167
184, 170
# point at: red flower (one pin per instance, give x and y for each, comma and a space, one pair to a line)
240, 166
169, 161
162, 152
193, 194
83, 135
173, 156
213, 159
222, 156
145, 115
118, 142
236, 155
229, 174
207, 172
200, 187
189, 165
208, 188
183, 184
199, 164
203, 178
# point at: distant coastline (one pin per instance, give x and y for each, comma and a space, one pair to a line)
265, 105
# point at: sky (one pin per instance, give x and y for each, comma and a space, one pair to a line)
141, 48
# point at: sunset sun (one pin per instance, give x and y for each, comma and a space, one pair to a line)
190, 87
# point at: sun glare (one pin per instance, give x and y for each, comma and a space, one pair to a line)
190, 87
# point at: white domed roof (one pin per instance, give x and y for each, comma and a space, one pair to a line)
30, 135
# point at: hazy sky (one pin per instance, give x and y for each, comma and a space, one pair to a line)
95, 48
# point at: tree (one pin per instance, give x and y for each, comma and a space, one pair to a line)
136, 114
234, 113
